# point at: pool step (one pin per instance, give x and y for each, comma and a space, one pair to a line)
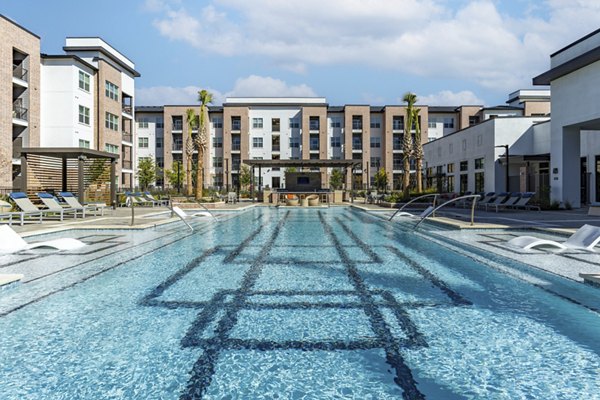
591, 279
8, 280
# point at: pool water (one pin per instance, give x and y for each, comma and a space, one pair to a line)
297, 304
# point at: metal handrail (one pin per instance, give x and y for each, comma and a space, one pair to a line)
207, 210
435, 195
469, 196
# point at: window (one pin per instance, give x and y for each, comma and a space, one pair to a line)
236, 123
375, 122
432, 123
159, 143
177, 123
217, 122
397, 142
111, 148
473, 120
84, 143
336, 122
294, 142
450, 168
479, 140
450, 184
356, 143
449, 122
357, 122
275, 125
294, 123
375, 142
160, 123
111, 90
479, 182
218, 162
218, 142
257, 123
464, 166
84, 115
376, 162
314, 124
143, 122
236, 143
143, 142
257, 142
84, 81
464, 183
314, 143
479, 163
111, 121
336, 141
397, 162
464, 144
397, 123
160, 162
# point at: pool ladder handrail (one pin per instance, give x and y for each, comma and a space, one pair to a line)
475, 197
208, 211
435, 195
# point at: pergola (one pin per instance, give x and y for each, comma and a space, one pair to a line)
90, 174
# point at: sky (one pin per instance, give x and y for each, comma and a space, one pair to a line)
448, 52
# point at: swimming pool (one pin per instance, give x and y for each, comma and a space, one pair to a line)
291, 304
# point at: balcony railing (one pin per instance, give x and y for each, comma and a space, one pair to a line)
236, 126
177, 126
20, 113
127, 137
235, 167
19, 72
275, 147
356, 125
126, 164
177, 146
127, 110
235, 146
398, 166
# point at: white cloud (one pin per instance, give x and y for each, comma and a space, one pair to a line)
450, 98
251, 86
474, 42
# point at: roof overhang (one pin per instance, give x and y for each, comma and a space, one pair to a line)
68, 152
566, 68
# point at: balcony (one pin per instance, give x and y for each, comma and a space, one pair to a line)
127, 137
177, 145
126, 164
235, 167
20, 73
127, 110
275, 148
235, 147
177, 126
19, 113
236, 127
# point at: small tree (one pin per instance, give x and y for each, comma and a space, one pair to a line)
146, 172
336, 180
245, 176
381, 179
174, 177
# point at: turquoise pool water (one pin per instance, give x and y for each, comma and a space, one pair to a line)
293, 304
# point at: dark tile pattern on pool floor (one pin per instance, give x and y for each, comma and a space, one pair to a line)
222, 311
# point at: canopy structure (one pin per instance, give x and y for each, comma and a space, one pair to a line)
303, 163
89, 174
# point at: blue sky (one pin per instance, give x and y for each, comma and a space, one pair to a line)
449, 52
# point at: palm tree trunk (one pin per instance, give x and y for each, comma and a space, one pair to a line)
189, 153
199, 174
419, 175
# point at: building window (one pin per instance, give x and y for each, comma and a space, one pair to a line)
357, 122
479, 162
143, 143
84, 143
356, 143
218, 142
314, 143
449, 122
257, 142
397, 162
84, 115
450, 184
479, 182
375, 142
336, 141
336, 122
160, 123
464, 183
375, 122
294, 123
313, 123
218, 162
84, 81
236, 143
464, 144
236, 123
160, 162
432, 123
159, 143
294, 142
376, 162
275, 125
143, 122
464, 166
450, 168
398, 123
473, 120
111, 148
111, 90
257, 123
397, 142
111, 122
217, 122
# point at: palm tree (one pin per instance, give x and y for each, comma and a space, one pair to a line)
192, 122
407, 147
418, 149
204, 97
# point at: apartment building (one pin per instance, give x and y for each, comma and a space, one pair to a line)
150, 136
19, 97
87, 100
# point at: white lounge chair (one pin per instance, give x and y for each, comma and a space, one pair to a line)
73, 202
183, 214
12, 242
25, 205
585, 238
54, 206
6, 214
154, 200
